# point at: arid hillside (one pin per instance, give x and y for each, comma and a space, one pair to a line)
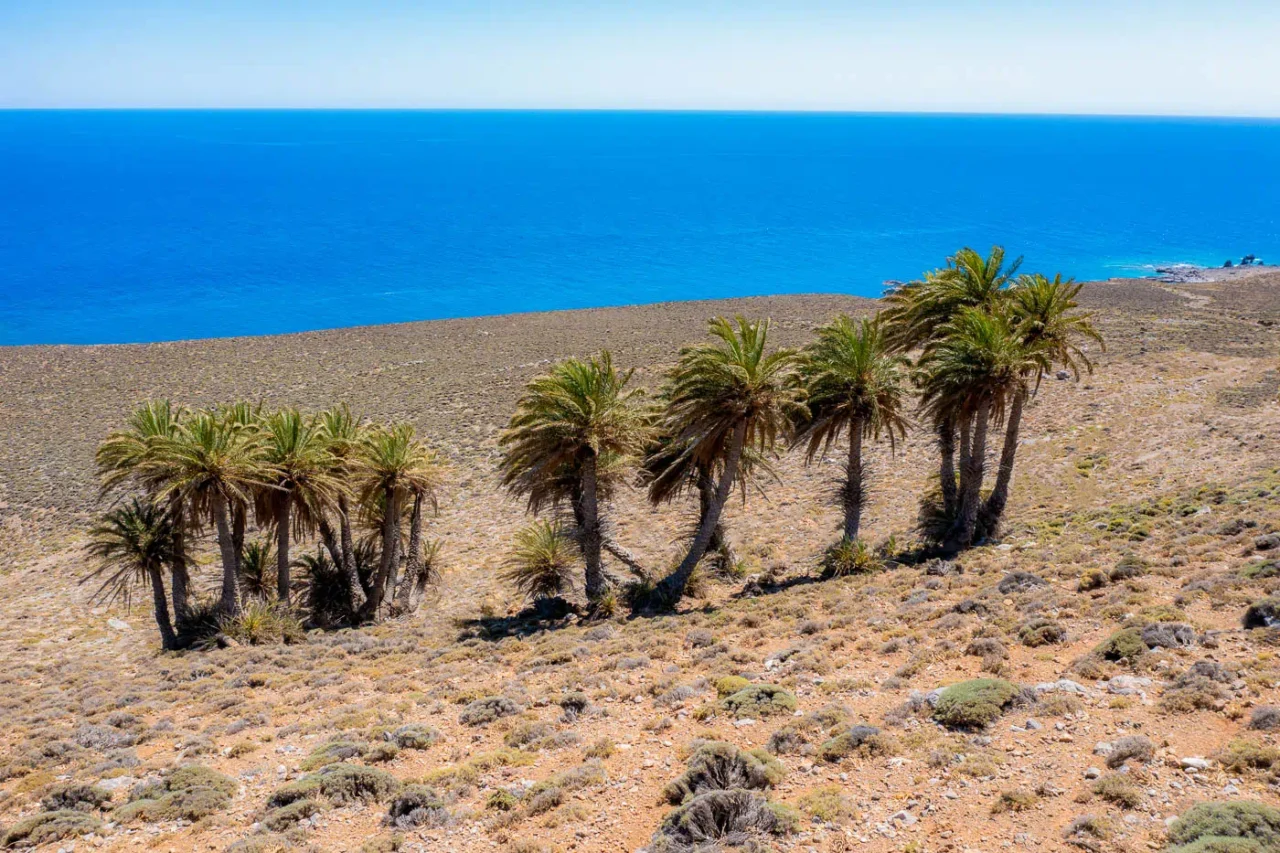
1144, 522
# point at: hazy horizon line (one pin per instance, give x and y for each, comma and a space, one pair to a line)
649, 110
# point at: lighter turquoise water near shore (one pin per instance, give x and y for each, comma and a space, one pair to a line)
144, 226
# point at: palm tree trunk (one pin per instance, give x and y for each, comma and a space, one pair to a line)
853, 482
413, 565
993, 509
589, 538
358, 592
178, 568
390, 554
622, 555
168, 639
971, 481
719, 539
330, 543
230, 598
947, 467
238, 521
672, 586
284, 505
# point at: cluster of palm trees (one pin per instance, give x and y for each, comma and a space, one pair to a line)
965, 347
181, 472
970, 342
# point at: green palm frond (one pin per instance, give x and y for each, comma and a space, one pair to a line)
1043, 311
852, 376
392, 458
581, 409
128, 543
917, 312
978, 362
716, 388
541, 562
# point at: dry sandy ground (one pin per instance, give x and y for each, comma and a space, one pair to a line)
1166, 452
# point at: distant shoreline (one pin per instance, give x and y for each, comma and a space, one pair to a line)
1172, 274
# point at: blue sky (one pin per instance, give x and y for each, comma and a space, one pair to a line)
1173, 57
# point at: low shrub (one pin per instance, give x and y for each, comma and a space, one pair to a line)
1263, 614
286, 817
1214, 827
1042, 632
850, 557
1017, 800
1131, 748
855, 738
47, 827
1124, 645
413, 736
418, 805
340, 784
759, 700
728, 818
189, 793
718, 766
976, 703
1265, 718
1118, 788
730, 684
333, 752
828, 804
76, 796
1243, 755
484, 711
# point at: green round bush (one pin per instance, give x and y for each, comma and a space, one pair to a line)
974, 704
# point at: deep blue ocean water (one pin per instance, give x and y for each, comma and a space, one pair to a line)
144, 226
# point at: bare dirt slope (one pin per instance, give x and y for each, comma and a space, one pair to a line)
1167, 456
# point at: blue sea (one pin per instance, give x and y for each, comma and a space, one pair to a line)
159, 225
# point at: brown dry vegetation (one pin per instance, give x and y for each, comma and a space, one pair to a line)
1166, 460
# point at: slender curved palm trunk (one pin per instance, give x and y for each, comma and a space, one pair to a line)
672, 586
179, 571
390, 555
971, 475
947, 467
238, 521
229, 601
622, 555
413, 565
719, 540
160, 600
993, 509
285, 501
359, 594
853, 486
589, 536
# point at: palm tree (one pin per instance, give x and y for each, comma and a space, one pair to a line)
303, 486
344, 435
855, 384
668, 472
129, 457
392, 465
1051, 332
572, 428
969, 376
133, 543
722, 398
214, 463
919, 311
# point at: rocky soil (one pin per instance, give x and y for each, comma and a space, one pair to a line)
1146, 504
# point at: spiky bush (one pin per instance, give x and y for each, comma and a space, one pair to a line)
725, 818
417, 805
261, 623
850, 557
541, 562
484, 711
718, 766
1125, 644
